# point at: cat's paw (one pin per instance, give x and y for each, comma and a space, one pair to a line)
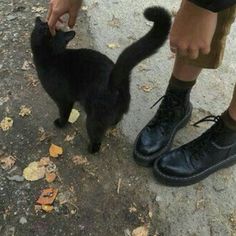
93, 148
59, 124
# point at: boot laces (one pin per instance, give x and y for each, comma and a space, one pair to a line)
199, 144
167, 108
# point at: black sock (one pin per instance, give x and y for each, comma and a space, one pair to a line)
176, 83
229, 121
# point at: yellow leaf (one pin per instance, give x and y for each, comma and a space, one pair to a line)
24, 111
146, 88
47, 208
140, 231
6, 123
34, 171
74, 115
113, 45
55, 150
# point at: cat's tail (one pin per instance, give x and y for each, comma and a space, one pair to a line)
143, 48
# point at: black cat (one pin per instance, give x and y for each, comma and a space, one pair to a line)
87, 76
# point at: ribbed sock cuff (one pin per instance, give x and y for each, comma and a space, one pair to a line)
228, 120
176, 83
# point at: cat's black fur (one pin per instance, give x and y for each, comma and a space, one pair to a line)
87, 76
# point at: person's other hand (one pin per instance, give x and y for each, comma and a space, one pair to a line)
192, 30
58, 8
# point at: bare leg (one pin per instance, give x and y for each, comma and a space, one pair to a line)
232, 107
185, 72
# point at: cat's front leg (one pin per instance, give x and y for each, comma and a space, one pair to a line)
64, 111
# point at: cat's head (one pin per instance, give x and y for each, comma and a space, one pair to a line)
41, 37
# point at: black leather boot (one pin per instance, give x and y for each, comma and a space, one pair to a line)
213, 150
157, 136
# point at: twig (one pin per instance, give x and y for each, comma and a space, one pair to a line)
118, 187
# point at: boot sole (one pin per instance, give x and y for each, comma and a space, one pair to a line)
147, 161
185, 181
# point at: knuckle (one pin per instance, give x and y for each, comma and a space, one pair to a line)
56, 11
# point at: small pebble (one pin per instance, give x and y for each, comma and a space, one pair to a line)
16, 178
23, 220
11, 17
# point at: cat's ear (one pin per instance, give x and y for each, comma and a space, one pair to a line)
38, 20
68, 36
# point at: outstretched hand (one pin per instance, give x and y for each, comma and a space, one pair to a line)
58, 8
192, 30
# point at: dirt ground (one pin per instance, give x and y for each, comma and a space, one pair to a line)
94, 204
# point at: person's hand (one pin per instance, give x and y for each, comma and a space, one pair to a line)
58, 8
192, 30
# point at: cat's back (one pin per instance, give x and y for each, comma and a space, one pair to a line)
88, 57
87, 65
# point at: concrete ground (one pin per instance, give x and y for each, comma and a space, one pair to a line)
94, 206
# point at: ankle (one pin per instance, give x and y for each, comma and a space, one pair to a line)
229, 120
232, 113
176, 83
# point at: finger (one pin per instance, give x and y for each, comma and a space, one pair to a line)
49, 11
173, 47
183, 52
52, 22
205, 50
193, 53
72, 18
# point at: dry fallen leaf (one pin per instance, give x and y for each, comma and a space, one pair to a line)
70, 138
146, 88
132, 209
140, 231
6, 123
44, 161
47, 208
84, 8
143, 67
112, 132
39, 9
51, 167
74, 115
43, 135
34, 171
55, 150
32, 81
37, 208
25, 65
115, 22
79, 160
47, 196
24, 111
7, 162
113, 45
50, 177
3, 100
